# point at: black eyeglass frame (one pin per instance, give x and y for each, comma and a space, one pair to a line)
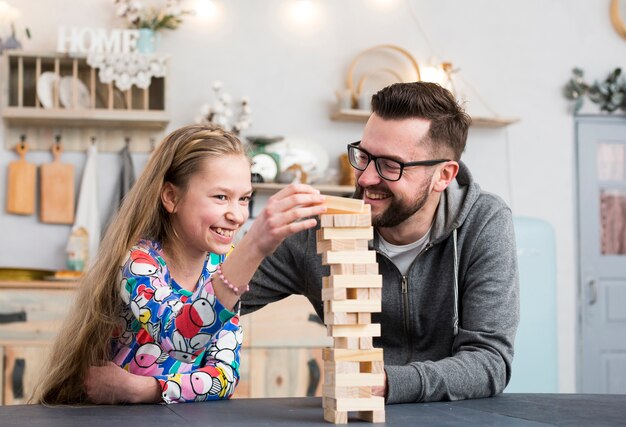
370, 157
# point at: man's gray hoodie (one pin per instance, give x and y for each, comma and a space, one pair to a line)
441, 341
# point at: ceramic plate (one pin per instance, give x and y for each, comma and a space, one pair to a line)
65, 93
46, 84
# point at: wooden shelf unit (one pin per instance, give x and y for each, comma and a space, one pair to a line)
139, 114
363, 115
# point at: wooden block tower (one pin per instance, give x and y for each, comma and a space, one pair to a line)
350, 294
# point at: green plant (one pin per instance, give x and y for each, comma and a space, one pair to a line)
609, 95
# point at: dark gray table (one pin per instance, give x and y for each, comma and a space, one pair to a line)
504, 410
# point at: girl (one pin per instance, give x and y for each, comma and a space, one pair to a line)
161, 299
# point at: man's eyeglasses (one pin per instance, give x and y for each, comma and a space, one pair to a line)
388, 169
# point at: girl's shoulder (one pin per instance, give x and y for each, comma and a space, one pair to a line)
145, 249
149, 246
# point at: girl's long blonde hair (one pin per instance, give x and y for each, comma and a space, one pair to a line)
85, 338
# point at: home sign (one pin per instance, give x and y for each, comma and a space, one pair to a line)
91, 40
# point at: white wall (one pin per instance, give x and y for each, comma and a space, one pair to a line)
517, 54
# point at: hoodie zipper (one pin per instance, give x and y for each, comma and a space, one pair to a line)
405, 307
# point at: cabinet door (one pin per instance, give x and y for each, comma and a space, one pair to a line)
32, 314
601, 144
291, 322
22, 369
282, 351
280, 372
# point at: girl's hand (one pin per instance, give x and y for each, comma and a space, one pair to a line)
110, 385
284, 215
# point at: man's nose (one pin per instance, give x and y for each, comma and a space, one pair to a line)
369, 176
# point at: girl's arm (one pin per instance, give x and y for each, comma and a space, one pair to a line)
287, 212
215, 379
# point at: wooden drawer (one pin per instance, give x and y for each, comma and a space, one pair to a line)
22, 370
33, 314
280, 372
291, 322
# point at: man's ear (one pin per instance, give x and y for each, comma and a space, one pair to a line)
445, 175
169, 197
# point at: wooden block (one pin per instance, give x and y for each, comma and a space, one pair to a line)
342, 245
350, 343
340, 318
335, 417
341, 367
353, 281
371, 330
376, 293
363, 318
374, 403
358, 293
334, 294
371, 268
356, 306
342, 355
349, 257
366, 343
339, 269
376, 367
352, 220
327, 220
343, 204
359, 379
371, 416
346, 233
341, 392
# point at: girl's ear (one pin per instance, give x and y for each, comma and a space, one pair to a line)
169, 197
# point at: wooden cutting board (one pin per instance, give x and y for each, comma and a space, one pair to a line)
21, 184
56, 202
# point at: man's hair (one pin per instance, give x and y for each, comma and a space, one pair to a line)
448, 121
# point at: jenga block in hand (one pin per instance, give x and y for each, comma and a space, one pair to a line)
336, 204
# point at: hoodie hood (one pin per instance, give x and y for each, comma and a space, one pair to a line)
455, 204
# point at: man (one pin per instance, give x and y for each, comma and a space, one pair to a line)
445, 249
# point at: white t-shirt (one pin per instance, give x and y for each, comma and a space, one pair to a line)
403, 255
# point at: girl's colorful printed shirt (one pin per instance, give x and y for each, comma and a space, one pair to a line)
187, 340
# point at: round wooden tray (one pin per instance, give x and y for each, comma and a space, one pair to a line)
356, 90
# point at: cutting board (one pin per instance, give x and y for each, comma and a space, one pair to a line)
21, 184
56, 194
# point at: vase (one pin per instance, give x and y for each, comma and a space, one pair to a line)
146, 42
11, 43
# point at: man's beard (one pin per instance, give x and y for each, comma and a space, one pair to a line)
397, 212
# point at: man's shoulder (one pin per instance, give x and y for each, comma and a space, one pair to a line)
488, 204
